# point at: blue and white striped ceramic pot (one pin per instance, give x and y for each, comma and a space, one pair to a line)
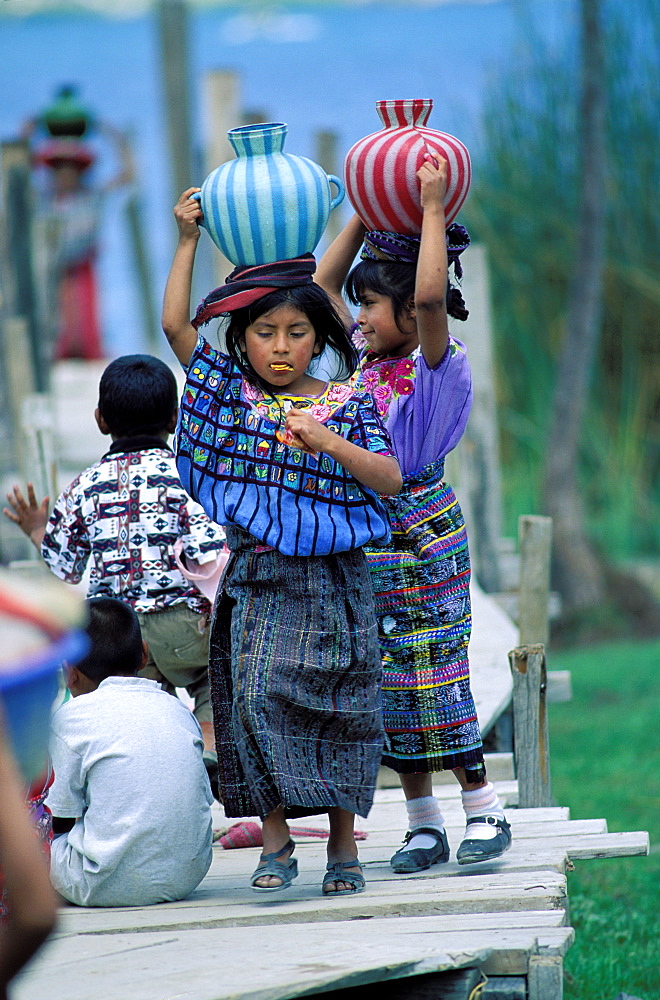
266, 205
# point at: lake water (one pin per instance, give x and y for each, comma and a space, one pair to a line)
315, 66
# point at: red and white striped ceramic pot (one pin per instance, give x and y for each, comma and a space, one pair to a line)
380, 170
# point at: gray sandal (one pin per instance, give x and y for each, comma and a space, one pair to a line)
284, 870
336, 872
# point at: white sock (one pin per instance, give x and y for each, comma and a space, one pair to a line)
424, 811
481, 802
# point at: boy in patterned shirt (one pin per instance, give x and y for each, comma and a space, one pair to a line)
127, 512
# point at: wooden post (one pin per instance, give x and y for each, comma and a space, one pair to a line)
251, 116
545, 977
534, 541
474, 466
530, 722
222, 112
38, 434
326, 157
222, 103
18, 374
173, 32
17, 198
150, 322
31, 416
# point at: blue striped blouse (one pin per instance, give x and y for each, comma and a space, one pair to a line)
230, 461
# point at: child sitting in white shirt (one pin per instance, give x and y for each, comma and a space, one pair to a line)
130, 785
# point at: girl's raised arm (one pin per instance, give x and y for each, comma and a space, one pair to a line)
175, 320
431, 274
337, 261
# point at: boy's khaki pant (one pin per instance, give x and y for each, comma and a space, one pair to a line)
178, 641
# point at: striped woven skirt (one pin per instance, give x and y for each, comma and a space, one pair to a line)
295, 675
421, 584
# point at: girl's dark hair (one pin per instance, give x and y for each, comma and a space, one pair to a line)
138, 394
115, 640
396, 279
310, 299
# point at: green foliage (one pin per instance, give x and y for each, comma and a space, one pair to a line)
605, 756
523, 207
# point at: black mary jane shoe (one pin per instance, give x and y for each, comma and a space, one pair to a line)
405, 862
471, 851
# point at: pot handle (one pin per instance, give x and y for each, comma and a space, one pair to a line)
341, 191
198, 197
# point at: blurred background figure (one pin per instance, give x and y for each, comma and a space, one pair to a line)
70, 205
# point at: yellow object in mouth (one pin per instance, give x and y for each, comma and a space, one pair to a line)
281, 368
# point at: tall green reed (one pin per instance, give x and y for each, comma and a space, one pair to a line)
523, 207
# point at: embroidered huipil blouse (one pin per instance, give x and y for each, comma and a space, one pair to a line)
232, 462
425, 410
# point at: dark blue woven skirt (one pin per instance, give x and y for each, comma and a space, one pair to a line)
295, 676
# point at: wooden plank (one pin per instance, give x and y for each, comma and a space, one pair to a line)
505, 789
533, 856
177, 963
521, 829
499, 767
530, 719
611, 845
397, 896
335, 956
559, 686
493, 635
191, 914
555, 941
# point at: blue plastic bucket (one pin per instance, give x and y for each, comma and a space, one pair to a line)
28, 691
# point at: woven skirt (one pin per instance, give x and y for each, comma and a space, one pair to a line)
295, 675
421, 584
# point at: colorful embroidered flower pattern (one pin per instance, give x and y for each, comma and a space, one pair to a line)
321, 407
387, 379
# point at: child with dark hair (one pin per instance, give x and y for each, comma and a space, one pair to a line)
131, 801
420, 378
291, 465
127, 513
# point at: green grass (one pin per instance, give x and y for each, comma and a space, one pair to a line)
605, 763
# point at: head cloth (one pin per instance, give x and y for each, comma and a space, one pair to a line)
394, 247
247, 284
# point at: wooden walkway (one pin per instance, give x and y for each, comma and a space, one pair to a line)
437, 934
505, 921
